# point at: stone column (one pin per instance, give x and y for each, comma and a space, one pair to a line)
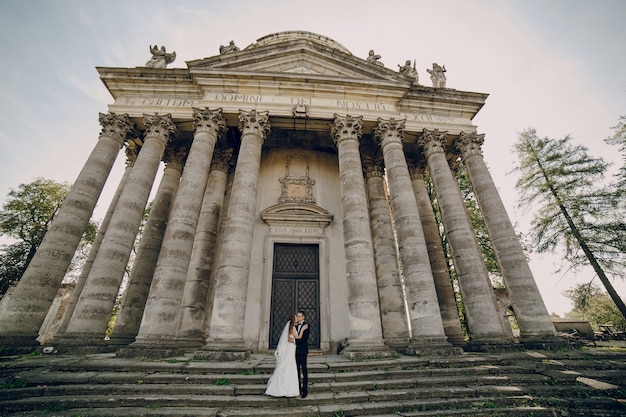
132, 150
159, 324
229, 309
93, 310
390, 297
23, 314
426, 325
365, 334
530, 311
483, 322
199, 287
438, 265
134, 301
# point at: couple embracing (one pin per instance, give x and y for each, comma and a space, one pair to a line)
291, 376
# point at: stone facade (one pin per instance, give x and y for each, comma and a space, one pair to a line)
294, 180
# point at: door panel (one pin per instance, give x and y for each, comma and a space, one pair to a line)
295, 286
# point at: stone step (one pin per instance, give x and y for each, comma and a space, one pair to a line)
512, 384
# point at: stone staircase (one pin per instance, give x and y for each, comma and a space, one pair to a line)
588, 382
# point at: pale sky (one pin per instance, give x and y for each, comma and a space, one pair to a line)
556, 65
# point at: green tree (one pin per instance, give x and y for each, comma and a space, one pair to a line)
619, 139
594, 305
25, 218
575, 208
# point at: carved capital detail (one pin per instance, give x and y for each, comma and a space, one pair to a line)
116, 126
222, 160
346, 127
205, 120
133, 146
417, 171
160, 126
175, 157
254, 122
469, 144
373, 167
388, 131
433, 141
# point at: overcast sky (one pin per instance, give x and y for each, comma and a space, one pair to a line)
557, 66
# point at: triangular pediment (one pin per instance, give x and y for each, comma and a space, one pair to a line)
294, 53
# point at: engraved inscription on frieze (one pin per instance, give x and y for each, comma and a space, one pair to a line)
297, 186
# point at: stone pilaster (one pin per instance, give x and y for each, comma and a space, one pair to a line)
23, 314
438, 265
159, 324
134, 300
93, 310
530, 311
426, 325
132, 149
197, 299
483, 322
229, 308
390, 297
365, 333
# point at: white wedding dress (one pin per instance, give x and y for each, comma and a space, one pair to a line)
284, 380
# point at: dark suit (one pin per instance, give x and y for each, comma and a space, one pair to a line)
302, 350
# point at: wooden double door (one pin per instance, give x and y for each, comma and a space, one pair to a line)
295, 287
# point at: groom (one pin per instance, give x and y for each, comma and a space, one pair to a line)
302, 350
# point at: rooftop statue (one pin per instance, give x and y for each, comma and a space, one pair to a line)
372, 57
231, 47
160, 58
409, 71
437, 75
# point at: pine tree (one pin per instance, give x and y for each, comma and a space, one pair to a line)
576, 210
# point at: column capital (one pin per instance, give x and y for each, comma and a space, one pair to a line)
373, 167
133, 146
116, 126
389, 130
254, 122
417, 169
222, 160
469, 144
346, 127
175, 157
160, 126
433, 141
208, 120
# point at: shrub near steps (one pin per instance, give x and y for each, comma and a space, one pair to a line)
508, 384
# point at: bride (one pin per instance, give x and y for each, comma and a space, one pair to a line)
284, 380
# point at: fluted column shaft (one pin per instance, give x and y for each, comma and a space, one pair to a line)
229, 308
438, 265
363, 308
23, 314
199, 287
91, 316
530, 311
131, 156
134, 301
390, 297
159, 324
476, 290
424, 315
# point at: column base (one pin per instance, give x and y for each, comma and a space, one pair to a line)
215, 351
368, 349
80, 344
397, 343
432, 346
18, 344
496, 343
546, 342
152, 347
